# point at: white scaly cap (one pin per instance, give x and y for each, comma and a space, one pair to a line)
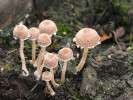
48, 27
34, 33
46, 76
21, 32
50, 60
65, 54
87, 38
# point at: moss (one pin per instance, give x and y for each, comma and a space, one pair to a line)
108, 89
62, 29
117, 4
89, 76
98, 98
104, 58
132, 45
125, 18
7, 68
87, 70
76, 96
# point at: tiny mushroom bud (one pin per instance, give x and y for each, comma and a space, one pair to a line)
21, 32
47, 76
44, 40
65, 54
50, 61
86, 38
48, 26
34, 33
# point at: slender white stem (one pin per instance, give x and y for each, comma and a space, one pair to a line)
40, 69
63, 71
39, 56
53, 80
81, 64
33, 51
50, 88
25, 73
38, 73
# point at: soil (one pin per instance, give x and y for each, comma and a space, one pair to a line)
111, 67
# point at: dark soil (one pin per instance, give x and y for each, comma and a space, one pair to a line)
13, 86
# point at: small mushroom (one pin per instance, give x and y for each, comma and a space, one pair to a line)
120, 32
48, 26
21, 32
65, 54
86, 38
50, 61
47, 76
44, 40
34, 33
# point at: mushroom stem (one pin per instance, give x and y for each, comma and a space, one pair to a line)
40, 69
39, 56
33, 51
81, 64
52, 80
50, 88
25, 73
40, 62
63, 71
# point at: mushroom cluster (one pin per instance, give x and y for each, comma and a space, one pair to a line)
86, 38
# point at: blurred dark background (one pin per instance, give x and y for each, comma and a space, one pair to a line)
87, 12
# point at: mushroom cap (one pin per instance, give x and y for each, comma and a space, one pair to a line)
50, 60
87, 38
21, 32
34, 33
120, 32
65, 54
46, 76
44, 40
47, 26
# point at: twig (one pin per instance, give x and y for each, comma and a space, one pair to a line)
104, 11
130, 38
117, 41
34, 86
129, 76
116, 60
131, 32
11, 51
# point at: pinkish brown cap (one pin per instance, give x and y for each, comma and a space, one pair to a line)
21, 32
34, 33
46, 76
44, 40
50, 60
65, 54
87, 38
48, 26
120, 32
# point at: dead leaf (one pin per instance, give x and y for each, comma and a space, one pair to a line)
105, 37
129, 48
100, 58
52, 47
